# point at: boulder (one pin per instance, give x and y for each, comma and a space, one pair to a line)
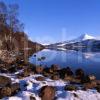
39, 69
15, 88
40, 78
69, 71
55, 77
46, 74
98, 82
68, 78
5, 81
46, 69
75, 81
90, 85
65, 71
20, 75
85, 79
5, 91
98, 88
32, 98
79, 73
54, 68
62, 73
75, 95
12, 69
26, 72
92, 77
47, 93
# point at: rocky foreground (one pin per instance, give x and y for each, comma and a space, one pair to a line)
25, 81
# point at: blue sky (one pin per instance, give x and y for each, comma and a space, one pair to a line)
49, 21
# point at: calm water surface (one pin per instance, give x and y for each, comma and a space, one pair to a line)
89, 61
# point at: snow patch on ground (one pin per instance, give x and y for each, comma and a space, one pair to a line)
34, 86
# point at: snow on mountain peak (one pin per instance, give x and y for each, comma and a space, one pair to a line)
86, 37
82, 38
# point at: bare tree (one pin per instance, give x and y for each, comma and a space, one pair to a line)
3, 14
9, 23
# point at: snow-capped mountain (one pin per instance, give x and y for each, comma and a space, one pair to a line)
86, 37
83, 41
83, 38
79, 39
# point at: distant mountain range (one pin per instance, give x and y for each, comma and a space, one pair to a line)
84, 43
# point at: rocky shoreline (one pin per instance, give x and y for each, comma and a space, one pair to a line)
20, 69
